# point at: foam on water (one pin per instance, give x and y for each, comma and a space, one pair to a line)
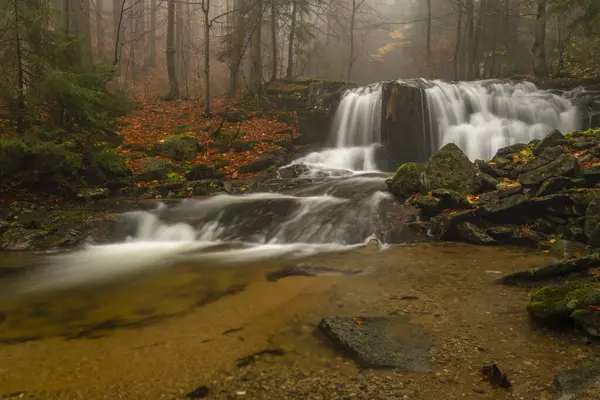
481, 117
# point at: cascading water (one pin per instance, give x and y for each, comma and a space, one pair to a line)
357, 133
481, 117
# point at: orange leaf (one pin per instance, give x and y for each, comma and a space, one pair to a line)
357, 321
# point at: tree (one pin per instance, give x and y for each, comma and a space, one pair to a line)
351, 57
151, 59
290, 67
205, 11
256, 53
274, 39
171, 50
539, 45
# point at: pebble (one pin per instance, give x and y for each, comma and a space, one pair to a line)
478, 390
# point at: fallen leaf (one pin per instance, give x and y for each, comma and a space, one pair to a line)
357, 321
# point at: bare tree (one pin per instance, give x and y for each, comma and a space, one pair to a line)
274, 39
151, 59
290, 68
255, 56
171, 67
539, 45
205, 11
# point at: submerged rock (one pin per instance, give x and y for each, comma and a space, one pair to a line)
406, 180
450, 168
578, 383
378, 342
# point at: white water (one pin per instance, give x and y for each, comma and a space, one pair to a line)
481, 117
357, 132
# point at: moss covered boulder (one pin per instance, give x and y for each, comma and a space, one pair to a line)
180, 147
155, 169
563, 166
591, 226
450, 168
406, 180
557, 304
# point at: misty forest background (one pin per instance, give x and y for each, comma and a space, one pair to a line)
70, 68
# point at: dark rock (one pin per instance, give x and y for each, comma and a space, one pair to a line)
511, 150
544, 226
488, 182
377, 342
92, 193
501, 205
573, 383
29, 219
204, 187
429, 205
501, 233
200, 172
444, 226
552, 139
473, 234
461, 177
563, 268
592, 223
571, 231
180, 147
530, 238
587, 320
584, 196
592, 173
509, 190
4, 226
488, 169
155, 169
451, 198
198, 393
406, 180
19, 238
559, 183
258, 165
564, 166
567, 249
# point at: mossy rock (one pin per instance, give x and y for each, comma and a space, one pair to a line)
20, 238
180, 147
155, 169
233, 116
450, 168
204, 187
563, 166
406, 180
556, 304
588, 321
199, 172
239, 146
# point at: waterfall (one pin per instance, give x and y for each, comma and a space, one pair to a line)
356, 131
484, 116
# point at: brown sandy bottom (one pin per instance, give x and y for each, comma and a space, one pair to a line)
163, 334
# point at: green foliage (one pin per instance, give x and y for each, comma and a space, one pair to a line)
173, 177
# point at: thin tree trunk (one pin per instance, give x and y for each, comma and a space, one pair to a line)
274, 39
100, 29
205, 10
179, 33
256, 62
151, 60
429, 61
457, 74
290, 68
539, 45
351, 50
20, 77
470, 39
141, 36
171, 69
238, 35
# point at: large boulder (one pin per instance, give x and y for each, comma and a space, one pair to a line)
564, 166
471, 233
554, 138
556, 304
257, 165
155, 169
406, 180
450, 168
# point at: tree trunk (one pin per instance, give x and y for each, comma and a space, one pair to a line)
100, 29
274, 39
179, 33
351, 49
470, 39
171, 68
20, 76
141, 31
79, 25
256, 62
238, 35
429, 61
539, 45
151, 59
457, 58
290, 68
205, 10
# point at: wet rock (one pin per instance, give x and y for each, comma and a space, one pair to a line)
200, 392
552, 139
200, 172
572, 383
473, 234
487, 168
257, 165
444, 226
92, 194
429, 205
548, 155
567, 249
564, 166
555, 304
509, 151
20, 238
591, 226
487, 181
530, 238
588, 320
155, 169
180, 147
451, 198
204, 187
558, 184
461, 177
511, 203
584, 196
553, 271
378, 342
406, 180
543, 225
501, 233
507, 190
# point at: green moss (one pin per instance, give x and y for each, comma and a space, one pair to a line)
406, 180
560, 301
180, 147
